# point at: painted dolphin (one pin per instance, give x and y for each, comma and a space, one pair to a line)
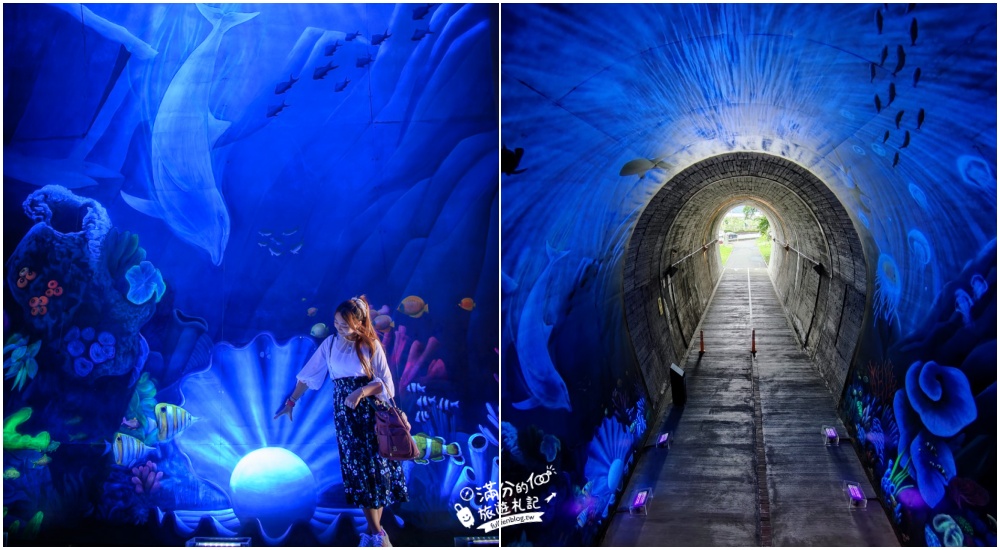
541, 379
183, 192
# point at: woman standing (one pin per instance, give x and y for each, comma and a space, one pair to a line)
355, 361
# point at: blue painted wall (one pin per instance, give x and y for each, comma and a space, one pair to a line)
587, 88
189, 191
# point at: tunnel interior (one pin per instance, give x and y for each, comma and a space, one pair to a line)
190, 191
673, 266
866, 133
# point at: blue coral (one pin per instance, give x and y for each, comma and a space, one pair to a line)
941, 396
21, 365
144, 280
100, 354
82, 366
75, 348
931, 537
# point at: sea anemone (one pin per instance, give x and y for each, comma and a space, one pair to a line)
608, 459
146, 479
144, 280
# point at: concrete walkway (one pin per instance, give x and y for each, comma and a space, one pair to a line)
747, 465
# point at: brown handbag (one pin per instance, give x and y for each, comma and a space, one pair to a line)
393, 432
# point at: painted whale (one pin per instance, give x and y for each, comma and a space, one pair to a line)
183, 192
546, 387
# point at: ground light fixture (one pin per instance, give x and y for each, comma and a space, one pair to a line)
637, 506
830, 436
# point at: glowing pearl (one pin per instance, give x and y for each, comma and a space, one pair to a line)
275, 486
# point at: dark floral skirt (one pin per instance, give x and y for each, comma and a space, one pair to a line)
370, 481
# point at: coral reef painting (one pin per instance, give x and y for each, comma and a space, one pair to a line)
190, 190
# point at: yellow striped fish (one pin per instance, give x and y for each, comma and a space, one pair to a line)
127, 450
171, 420
434, 449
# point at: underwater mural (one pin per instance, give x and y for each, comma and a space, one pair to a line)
189, 192
893, 106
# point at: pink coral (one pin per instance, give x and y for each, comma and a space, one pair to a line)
418, 357
146, 479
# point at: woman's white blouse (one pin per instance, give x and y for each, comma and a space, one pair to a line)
328, 360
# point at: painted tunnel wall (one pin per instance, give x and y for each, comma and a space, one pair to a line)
189, 192
891, 108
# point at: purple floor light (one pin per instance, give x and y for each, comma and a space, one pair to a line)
663, 440
640, 501
855, 495
830, 436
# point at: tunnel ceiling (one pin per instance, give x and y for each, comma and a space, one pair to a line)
682, 83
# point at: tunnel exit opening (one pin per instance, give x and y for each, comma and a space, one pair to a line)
817, 264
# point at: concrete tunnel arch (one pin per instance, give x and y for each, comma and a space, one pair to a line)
671, 261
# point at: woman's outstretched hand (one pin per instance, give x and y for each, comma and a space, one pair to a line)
286, 410
353, 398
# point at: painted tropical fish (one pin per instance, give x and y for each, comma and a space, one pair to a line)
383, 323
183, 192
434, 449
414, 306
45, 460
11, 473
467, 304
127, 450
171, 420
546, 387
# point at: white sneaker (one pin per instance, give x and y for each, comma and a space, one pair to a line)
366, 540
384, 538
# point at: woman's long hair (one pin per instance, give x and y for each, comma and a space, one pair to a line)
357, 314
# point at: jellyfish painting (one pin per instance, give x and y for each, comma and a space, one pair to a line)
976, 171
887, 288
919, 247
918, 195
